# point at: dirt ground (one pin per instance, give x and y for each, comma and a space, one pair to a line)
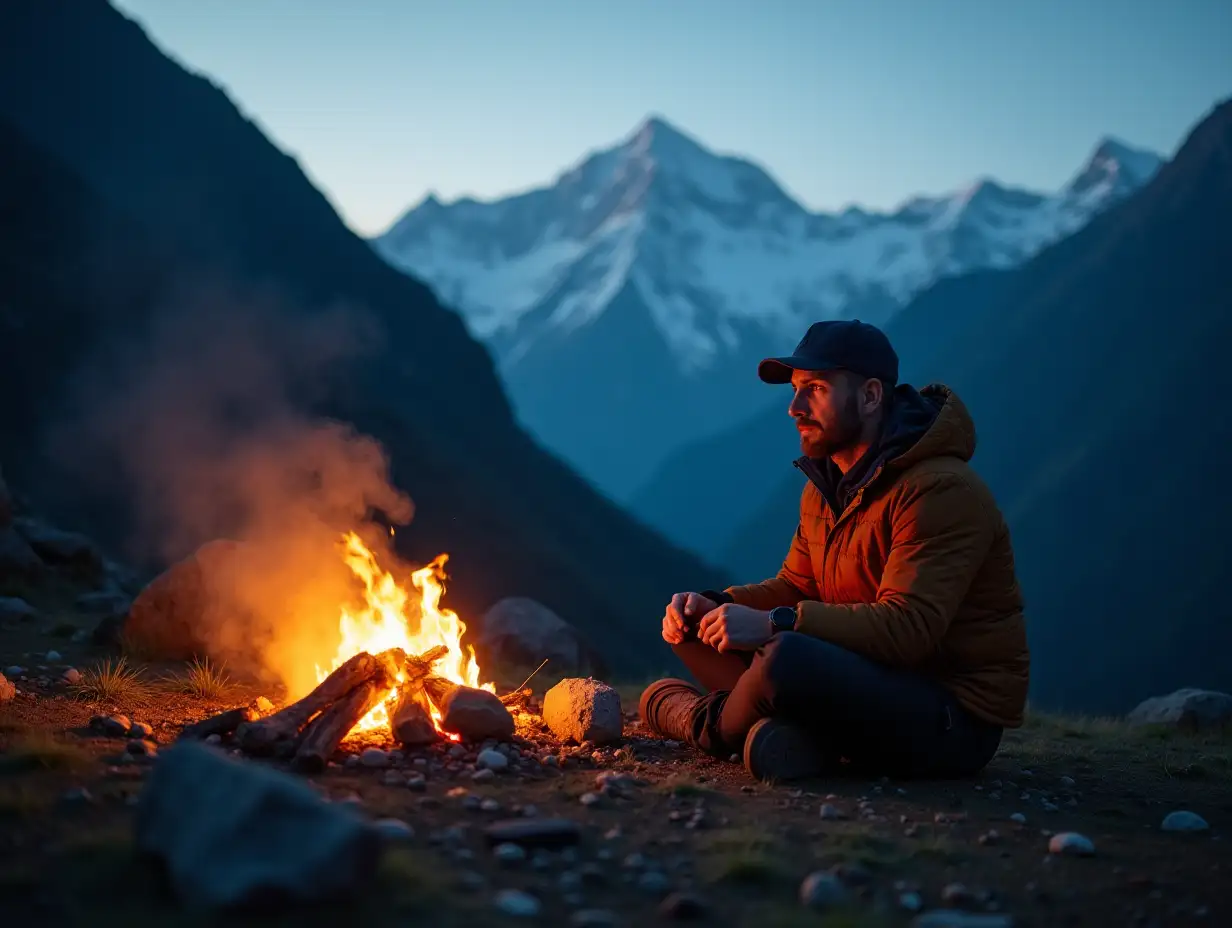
66, 856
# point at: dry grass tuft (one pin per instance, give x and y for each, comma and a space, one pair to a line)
112, 681
203, 679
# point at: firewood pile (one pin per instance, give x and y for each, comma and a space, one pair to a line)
309, 731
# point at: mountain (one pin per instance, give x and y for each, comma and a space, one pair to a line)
1096, 374
652, 275
136, 201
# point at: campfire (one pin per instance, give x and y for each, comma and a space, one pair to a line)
400, 671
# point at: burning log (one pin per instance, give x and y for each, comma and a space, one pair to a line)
411, 718
473, 714
222, 724
326, 731
277, 734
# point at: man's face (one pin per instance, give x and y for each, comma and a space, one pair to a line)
826, 407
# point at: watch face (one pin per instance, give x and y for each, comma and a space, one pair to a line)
783, 617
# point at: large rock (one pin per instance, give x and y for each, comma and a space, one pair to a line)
1191, 709
70, 550
17, 558
166, 619
7, 690
235, 833
14, 610
522, 631
584, 710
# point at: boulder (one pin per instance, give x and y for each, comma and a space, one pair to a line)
57, 548
17, 558
584, 710
7, 690
235, 833
15, 610
166, 619
1191, 709
521, 631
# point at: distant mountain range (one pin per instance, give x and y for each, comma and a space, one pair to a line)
627, 301
133, 193
1097, 374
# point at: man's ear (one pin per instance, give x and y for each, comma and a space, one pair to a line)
872, 394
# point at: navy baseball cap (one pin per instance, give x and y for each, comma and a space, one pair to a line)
837, 344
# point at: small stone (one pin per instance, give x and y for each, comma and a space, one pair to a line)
634, 861
1071, 844
653, 883
822, 890
140, 730
589, 799
515, 903
992, 836
1068, 782
509, 853
213, 739
831, 813
471, 803
416, 784
1183, 820
139, 747
489, 805
393, 778
394, 829
457, 792
911, 902
957, 895
1049, 806
682, 906
374, 757
114, 726
486, 775
53, 656
1019, 818
490, 759
72, 675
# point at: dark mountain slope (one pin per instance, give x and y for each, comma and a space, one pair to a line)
132, 190
1098, 375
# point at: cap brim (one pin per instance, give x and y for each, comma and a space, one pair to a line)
778, 370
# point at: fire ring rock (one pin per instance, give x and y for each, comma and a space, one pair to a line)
585, 710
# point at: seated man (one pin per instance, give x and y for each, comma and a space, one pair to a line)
892, 639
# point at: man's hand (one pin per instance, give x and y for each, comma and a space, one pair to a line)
683, 608
735, 628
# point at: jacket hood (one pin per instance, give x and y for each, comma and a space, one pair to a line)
950, 431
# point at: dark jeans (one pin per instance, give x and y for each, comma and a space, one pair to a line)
879, 720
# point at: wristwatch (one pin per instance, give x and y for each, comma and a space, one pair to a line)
782, 619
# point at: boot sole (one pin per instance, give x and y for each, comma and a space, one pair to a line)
776, 751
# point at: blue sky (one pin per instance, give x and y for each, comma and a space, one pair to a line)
844, 101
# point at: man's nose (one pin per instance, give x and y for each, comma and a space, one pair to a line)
796, 406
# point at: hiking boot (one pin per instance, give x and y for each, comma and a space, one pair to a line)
666, 707
777, 751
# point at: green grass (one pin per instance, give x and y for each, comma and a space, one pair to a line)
112, 681
202, 679
743, 855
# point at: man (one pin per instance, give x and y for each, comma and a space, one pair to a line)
892, 640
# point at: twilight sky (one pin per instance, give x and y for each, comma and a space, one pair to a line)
843, 101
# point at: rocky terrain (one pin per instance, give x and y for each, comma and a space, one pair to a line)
1076, 822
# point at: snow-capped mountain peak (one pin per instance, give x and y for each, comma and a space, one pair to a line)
712, 244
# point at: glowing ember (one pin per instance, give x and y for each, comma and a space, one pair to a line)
387, 618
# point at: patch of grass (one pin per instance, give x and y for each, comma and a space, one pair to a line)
202, 679
112, 681
684, 788
742, 855
858, 847
39, 751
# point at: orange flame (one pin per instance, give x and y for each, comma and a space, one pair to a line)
385, 620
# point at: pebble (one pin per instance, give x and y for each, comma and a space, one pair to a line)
53, 656
14, 671
490, 759
518, 904
822, 890
471, 803
1183, 820
486, 775
589, 799
490, 805
72, 675
911, 901
374, 757
1019, 818
654, 883
992, 836
139, 747
509, 853
1072, 844
1049, 806
957, 895
1068, 782
417, 784
393, 778
394, 829
593, 918
115, 726
140, 730
682, 906
831, 813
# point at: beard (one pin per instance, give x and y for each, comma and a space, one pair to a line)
835, 436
